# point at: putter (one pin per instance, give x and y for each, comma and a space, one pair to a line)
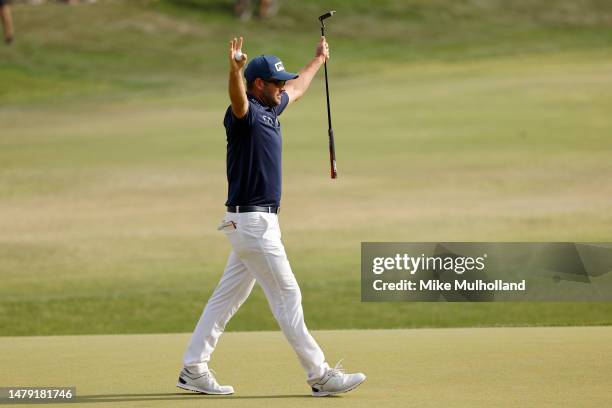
332, 147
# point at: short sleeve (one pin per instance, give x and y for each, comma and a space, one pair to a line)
283, 103
233, 125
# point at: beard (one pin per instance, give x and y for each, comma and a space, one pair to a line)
270, 99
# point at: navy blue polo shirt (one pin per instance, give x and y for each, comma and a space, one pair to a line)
254, 146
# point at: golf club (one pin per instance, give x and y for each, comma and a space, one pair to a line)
332, 147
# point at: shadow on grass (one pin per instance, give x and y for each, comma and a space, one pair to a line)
172, 396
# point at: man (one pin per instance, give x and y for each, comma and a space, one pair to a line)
251, 224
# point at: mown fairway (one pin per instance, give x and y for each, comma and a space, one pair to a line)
112, 177
478, 368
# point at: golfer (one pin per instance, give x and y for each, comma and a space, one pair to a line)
251, 224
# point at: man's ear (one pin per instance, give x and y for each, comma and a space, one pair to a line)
259, 84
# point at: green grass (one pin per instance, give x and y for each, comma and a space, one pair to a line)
112, 177
501, 367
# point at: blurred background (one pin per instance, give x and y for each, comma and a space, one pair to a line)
455, 120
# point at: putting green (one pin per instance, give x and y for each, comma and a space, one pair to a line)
484, 367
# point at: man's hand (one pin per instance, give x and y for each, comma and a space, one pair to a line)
236, 45
322, 51
237, 92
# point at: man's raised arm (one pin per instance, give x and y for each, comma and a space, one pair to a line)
297, 87
237, 92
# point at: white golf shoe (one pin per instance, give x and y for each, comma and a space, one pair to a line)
336, 381
204, 383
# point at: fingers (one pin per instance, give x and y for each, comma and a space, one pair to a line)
323, 43
323, 48
236, 44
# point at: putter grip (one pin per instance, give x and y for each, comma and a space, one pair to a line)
332, 155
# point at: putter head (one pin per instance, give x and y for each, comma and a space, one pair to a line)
326, 15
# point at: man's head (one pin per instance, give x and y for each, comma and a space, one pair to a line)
266, 77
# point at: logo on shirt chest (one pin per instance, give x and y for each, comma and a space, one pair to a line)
270, 120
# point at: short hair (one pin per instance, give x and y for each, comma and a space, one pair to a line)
250, 85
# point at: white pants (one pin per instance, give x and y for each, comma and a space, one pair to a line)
258, 256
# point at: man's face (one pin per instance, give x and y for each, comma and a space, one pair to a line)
271, 93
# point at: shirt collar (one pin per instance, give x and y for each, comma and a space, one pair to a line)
256, 101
